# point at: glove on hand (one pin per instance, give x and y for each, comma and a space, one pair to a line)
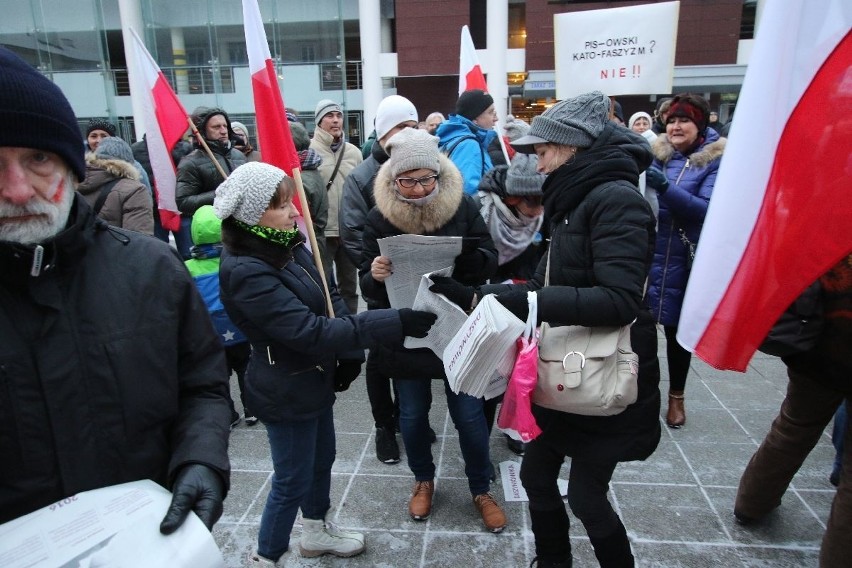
416, 323
197, 488
457, 293
347, 371
655, 178
469, 266
516, 302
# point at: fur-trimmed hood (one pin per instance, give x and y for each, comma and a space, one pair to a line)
413, 219
711, 149
103, 170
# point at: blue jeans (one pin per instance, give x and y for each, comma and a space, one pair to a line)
183, 238
469, 420
837, 433
302, 455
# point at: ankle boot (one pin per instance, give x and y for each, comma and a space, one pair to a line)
613, 551
324, 537
676, 416
552, 541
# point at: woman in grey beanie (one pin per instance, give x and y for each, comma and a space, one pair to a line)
602, 239
300, 354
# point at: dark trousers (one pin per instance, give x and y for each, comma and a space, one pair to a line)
384, 402
678, 359
805, 413
237, 358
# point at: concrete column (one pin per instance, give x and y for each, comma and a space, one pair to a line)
497, 38
131, 17
179, 60
371, 47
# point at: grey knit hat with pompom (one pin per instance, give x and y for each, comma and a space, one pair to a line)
574, 122
412, 149
247, 192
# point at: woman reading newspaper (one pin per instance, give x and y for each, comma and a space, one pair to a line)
600, 251
419, 191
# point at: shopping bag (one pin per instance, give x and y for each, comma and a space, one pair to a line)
516, 418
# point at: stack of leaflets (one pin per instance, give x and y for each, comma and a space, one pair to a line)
478, 360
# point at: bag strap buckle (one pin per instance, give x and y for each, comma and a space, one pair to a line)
573, 354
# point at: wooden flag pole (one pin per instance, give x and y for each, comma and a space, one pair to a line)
204, 145
312, 237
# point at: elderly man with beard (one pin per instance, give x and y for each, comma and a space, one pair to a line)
110, 366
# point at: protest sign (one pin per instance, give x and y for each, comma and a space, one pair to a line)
618, 51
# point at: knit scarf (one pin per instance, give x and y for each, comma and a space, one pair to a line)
277, 236
309, 159
512, 234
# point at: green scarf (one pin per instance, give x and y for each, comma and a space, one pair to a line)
283, 238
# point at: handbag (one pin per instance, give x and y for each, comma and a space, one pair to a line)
591, 371
516, 419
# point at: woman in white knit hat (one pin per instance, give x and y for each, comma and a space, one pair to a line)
419, 191
602, 239
300, 354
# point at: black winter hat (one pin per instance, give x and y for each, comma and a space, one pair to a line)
35, 113
100, 124
473, 103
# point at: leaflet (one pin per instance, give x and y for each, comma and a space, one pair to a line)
412, 257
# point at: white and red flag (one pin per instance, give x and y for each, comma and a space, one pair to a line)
470, 73
273, 130
781, 212
165, 122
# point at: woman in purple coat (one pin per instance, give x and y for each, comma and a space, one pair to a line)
686, 161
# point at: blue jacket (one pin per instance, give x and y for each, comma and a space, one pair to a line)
471, 155
274, 295
682, 206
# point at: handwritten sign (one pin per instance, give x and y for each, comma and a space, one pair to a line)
619, 51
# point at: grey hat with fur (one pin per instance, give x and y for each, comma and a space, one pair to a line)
247, 192
522, 177
412, 149
574, 122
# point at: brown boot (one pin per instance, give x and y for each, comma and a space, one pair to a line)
492, 514
676, 416
420, 504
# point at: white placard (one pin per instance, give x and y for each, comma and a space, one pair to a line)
618, 51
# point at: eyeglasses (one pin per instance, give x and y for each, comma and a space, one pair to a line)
425, 182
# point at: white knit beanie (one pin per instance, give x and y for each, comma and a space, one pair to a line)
412, 149
637, 115
392, 111
247, 192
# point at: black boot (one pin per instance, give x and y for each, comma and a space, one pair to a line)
613, 551
552, 543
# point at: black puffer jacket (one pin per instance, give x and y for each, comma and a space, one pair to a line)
358, 200
601, 249
274, 295
451, 213
110, 368
198, 178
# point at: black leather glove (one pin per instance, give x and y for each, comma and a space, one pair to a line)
416, 323
197, 488
468, 266
655, 178
516, 302
456, 292
347, 371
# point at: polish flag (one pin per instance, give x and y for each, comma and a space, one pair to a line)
273, 130
781, 212
470, 73
164, 120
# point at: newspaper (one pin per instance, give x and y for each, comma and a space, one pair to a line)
115, 527
478, 360
450, 317
412, 257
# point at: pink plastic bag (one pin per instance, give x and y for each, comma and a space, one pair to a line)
516, 418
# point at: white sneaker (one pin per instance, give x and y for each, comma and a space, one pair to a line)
255, 560
324, 537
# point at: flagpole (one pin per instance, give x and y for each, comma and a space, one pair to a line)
502, 141
204, 145
312, 237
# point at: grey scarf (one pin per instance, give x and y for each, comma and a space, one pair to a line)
512, 233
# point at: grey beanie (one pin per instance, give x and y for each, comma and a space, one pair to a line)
114, 148
301, 140
574, 122
324, 107
412, 149
515, 128
247, 192
235, 125
522, 178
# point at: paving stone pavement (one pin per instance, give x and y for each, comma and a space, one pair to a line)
677, 505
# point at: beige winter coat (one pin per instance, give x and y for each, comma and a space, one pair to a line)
128, 204
321, 143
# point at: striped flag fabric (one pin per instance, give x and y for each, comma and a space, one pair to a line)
165, 122
470, 73
273, 129
781, 211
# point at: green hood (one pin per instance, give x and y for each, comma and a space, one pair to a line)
206, 226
